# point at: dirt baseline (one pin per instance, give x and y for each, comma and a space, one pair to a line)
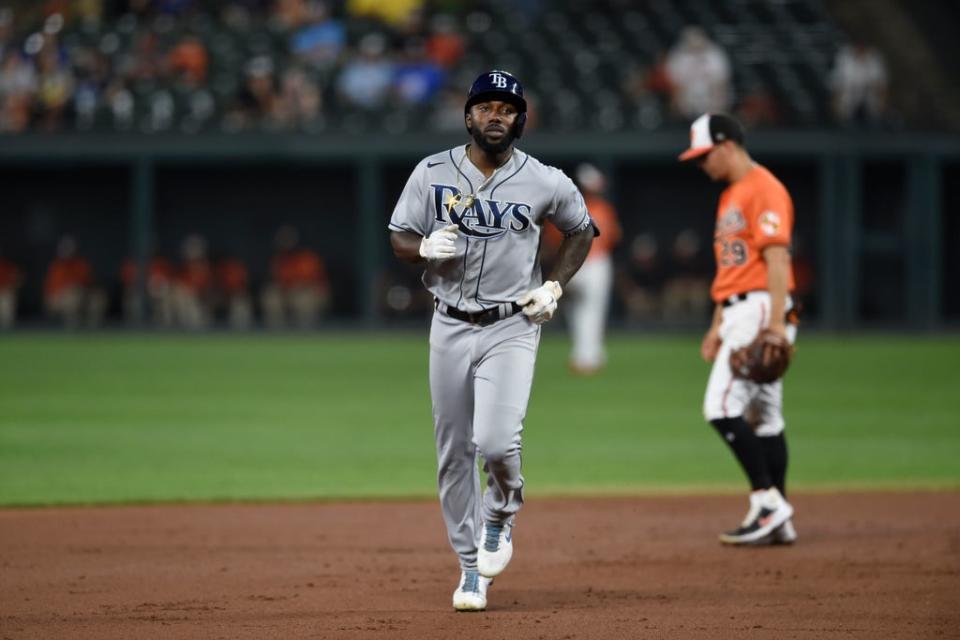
866, 566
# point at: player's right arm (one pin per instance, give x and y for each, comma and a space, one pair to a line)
406, 246
411, 226
413, 248
711, 340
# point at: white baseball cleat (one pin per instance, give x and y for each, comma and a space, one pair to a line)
784, 534
496, 548
471, 593
768, 510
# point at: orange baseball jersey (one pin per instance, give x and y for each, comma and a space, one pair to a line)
754, 213
232, 276
9, 275
300, 268
605, 217
65, 273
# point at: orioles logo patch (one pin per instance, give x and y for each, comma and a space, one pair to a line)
769, 223
731, 222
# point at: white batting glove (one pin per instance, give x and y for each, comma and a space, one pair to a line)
441, 244
540, 304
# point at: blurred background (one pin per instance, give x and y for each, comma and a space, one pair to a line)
194, 165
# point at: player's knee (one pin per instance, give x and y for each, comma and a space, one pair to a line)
769, 429
730, 428
496, 452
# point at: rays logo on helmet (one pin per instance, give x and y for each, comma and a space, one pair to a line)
476, 218
498, 80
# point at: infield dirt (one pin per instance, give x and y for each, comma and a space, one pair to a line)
873, 565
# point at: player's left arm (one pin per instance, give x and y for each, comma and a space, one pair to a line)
540, 304
571, 217
777, 257
571, 254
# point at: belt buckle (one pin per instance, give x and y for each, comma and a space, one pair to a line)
485, 318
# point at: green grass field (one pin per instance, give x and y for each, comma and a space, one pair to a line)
134, 418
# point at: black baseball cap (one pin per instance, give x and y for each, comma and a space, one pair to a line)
709, 130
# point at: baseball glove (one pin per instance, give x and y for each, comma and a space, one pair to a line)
764, 360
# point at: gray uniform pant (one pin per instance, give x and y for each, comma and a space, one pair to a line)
480, 379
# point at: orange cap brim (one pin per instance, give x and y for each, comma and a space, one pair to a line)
690, 154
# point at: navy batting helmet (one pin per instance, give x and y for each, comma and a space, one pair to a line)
499, 85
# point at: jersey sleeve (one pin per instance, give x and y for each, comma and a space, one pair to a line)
410, 214
772, 219
569, 212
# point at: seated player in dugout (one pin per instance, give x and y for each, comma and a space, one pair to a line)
70, 292
751, 293
474, 215
298, 293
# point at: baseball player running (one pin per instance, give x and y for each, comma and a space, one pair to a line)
474, 214
752, 292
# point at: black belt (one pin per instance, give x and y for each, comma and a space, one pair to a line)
734, 299
738, 297
792, 314
482, 318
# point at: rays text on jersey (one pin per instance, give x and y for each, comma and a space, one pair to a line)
478, 217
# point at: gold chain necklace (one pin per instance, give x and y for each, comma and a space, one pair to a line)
455, 199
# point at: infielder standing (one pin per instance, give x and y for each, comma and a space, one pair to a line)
589, 289
752, 292
475, 214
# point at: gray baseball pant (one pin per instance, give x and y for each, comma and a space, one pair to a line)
480, 379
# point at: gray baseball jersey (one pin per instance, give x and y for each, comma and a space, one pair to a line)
499, 222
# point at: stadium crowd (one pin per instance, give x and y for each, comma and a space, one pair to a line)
156, 66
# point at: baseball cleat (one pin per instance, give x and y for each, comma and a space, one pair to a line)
784, 534
496, 548
768, 510
471, 594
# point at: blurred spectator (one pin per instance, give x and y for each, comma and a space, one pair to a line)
70, 293
640, 281
298, 292
686, 293
589, 289
10, 280
321, 40
18, 88
642, 83
159, 287
446, 45
289, 15
193, 285
649, 91
258, 101
233, 292
758, 109
145, 60
367, 77
699, 73
396, 13
55, 78
417, 79
173, 7
859, 83
92, 75
188, 60
300, 100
